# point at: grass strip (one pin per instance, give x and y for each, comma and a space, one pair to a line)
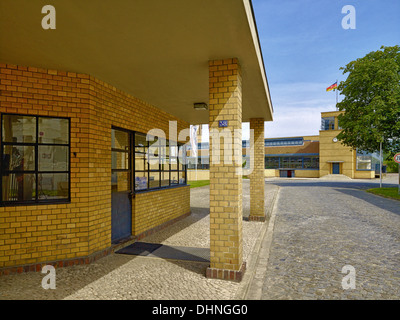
391, 193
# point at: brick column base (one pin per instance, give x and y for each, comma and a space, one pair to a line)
258, 218
232, 275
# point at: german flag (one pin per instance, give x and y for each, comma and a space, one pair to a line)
332, 87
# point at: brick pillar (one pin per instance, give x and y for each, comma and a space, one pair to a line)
257, 184
226, 247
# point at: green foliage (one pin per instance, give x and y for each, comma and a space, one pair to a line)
372, 101
392, 167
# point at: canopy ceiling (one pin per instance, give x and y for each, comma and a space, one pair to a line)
155, 50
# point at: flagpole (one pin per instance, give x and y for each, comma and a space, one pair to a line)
336, 95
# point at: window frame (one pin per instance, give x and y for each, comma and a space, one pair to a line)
36, 172
160, 169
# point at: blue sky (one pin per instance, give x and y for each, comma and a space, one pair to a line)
304, 45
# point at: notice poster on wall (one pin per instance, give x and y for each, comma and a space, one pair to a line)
140, 183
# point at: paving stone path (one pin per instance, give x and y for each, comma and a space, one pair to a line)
131, 277
319, 229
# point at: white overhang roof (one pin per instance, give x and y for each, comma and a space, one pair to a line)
155, 50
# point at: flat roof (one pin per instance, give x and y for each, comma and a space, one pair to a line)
157, 51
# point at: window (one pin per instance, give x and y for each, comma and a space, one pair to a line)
271, 163
292, 162
202, 163
296, 163
158, 164
35, 153
328, 123
367, 161
120, 160
284, 142
311, 163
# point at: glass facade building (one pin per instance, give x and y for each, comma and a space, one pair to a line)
292, 162
367, 161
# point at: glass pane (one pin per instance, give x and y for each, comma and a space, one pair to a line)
119, 140
328, 123
165, 179
19, 128
120, 181
165, 163
19, 187
53, 186
182, 156
285, 163
140, 140
174, 177
174, 163
154, 162
296, 163
53, 130
364, 162
182, 178
307, 163
140, 180
140, 162
21, 158
53, 158
154, 181
155, 153
119, 160
164, 149
173, 149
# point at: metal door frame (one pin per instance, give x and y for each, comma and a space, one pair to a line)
130, 192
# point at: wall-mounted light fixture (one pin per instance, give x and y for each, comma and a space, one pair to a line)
200, 106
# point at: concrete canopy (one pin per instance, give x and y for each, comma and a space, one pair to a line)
155, 50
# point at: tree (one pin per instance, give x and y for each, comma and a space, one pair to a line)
371, 102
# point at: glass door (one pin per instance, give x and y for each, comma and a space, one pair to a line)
121, 185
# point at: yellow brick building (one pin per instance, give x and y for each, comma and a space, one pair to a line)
95, 115
335, 158
302, 156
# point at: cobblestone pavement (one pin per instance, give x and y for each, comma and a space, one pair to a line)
129, 277
322, 227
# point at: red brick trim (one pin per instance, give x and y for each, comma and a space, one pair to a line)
232, 275
37, 267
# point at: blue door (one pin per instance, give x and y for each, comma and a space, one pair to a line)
121, 216
121, 185
336, 168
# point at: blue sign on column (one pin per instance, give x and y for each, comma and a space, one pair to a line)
223, 123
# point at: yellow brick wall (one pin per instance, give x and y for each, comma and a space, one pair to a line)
112, 107
306, 173
225, 178
31, 234
271, 173
257, 190
157, 207
335, 151
364, 174
202, 174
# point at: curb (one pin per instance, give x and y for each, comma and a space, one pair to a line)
253, 261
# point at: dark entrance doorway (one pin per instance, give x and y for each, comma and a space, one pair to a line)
121, 185
335, 168
286, 173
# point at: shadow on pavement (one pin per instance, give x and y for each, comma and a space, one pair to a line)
380, 202
330, 184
